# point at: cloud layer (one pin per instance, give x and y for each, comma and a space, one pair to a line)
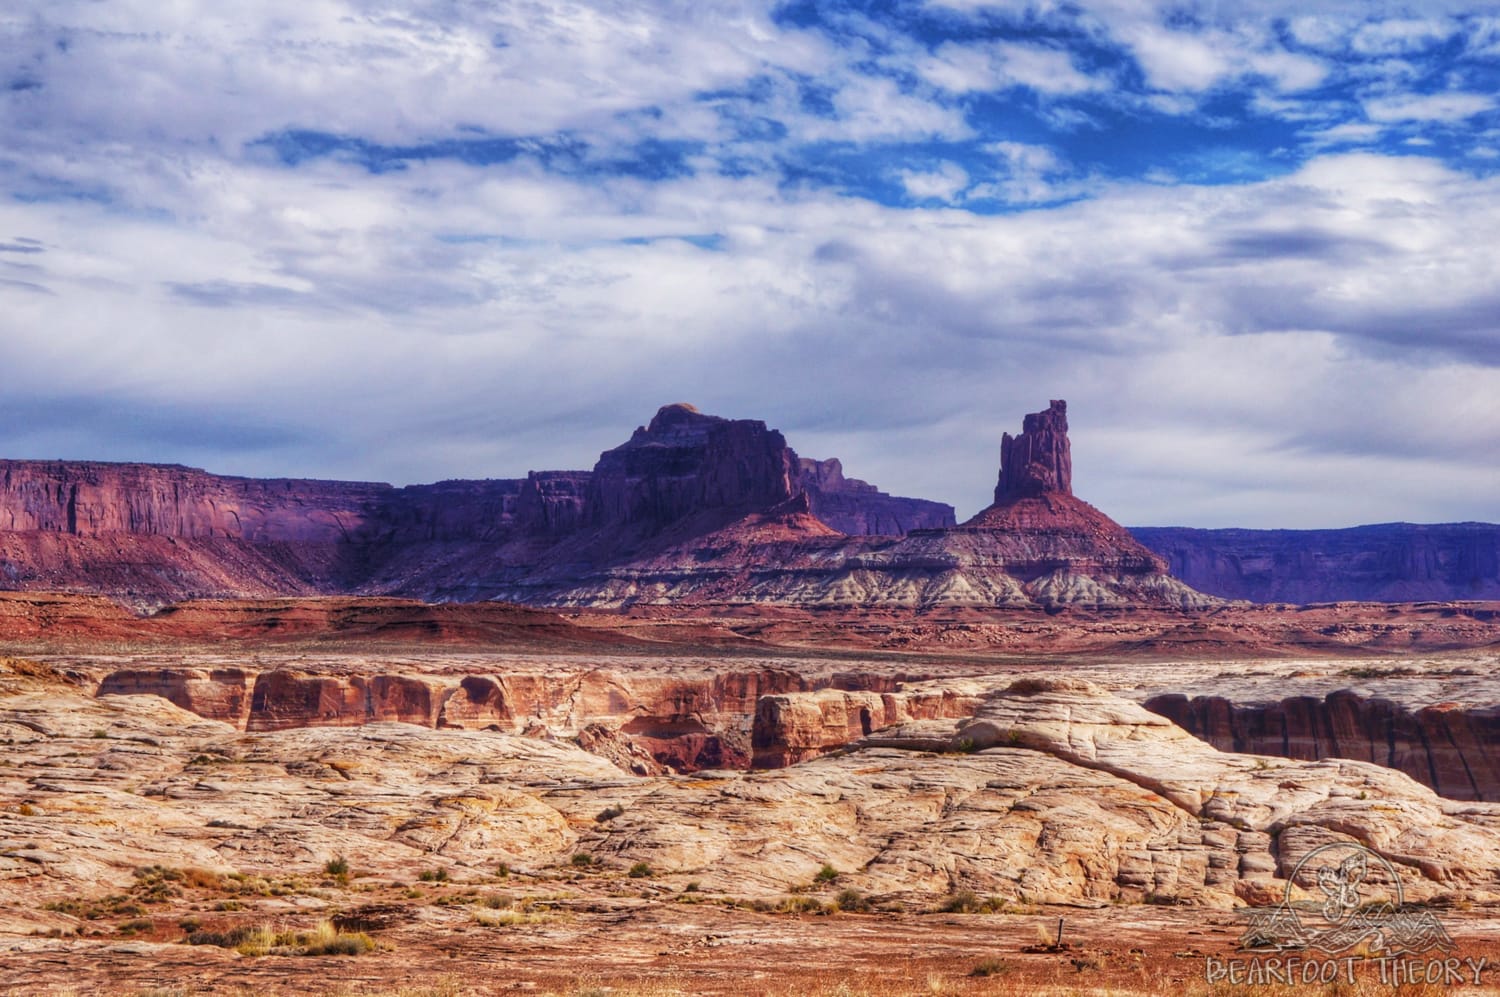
347, 239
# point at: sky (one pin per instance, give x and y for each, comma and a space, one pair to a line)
1253, 245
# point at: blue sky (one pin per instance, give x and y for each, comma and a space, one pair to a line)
1251, 244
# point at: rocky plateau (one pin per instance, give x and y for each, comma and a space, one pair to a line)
692, 508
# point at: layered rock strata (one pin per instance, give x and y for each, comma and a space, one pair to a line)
685, 722
1394, 562
1054, 791
1451, 746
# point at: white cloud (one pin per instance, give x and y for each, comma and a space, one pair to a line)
942, 184
1429, 107
349, 315
189, 71
1350, 132
989, 66
1400, 35
869, 108
1289, 72
1179, 60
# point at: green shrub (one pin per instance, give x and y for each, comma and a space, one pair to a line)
827, 874
966, 902
641, 870
609, 813
852, 900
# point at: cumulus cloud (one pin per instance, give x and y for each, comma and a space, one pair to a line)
335, 240
942, 184
981, 67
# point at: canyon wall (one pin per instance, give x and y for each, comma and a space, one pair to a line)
1451, 747
686, 722
1395, 562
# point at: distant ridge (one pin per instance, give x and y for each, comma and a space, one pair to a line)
1388, 562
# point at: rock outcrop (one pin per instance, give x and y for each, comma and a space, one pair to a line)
795, 727
1054, 792
1038, 546
685, 463
1450, 746
152, 534
858, 508
1040, 460
1395, 562
685, 721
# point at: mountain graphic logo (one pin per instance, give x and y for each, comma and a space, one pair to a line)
1340, 898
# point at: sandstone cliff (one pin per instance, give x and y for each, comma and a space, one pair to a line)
151, 534
1449, 745
1394, 562
1037, 546
858, 508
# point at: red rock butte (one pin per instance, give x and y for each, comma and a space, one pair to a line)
693, 508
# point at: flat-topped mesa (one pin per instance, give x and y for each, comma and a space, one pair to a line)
1039, 461
858, 508
686, 462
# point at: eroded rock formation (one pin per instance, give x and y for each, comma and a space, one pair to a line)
1452, 747
149, 534
1037, 545
1040, 460
685, 722
858, 508
1055, 791
795, 727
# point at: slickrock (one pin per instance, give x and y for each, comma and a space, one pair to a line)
1054, 792
1263, 815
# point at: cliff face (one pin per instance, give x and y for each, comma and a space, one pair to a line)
685, 463
687, 722
1452, 748
151, 534
1040, 460
1394, 562
858, 508
692, 507
95, 500
1037, 546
